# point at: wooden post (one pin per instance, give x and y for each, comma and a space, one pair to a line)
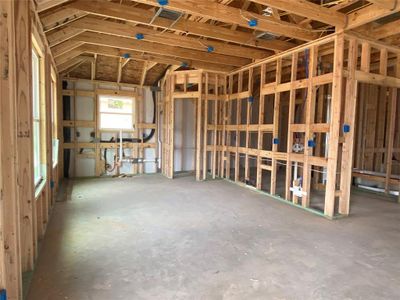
12, 15
310, 113
275, 130
261, 111
205, 124
171, 126
198, 130
238, 122
334, 125
23, 62
215, 140
349, 120
292, 99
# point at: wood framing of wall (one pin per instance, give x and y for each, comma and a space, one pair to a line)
24, 208
286, 125
96, 145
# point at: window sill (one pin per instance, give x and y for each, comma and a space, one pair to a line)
39, 188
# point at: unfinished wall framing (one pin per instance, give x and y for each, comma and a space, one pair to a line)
25, 206
86, 146
287, 124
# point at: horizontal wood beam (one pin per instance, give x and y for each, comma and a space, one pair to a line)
58, 36
56, 18
384, 31
307, 9
48, 4
219, 12
166, 38
143, 16
65, 57
65, 47
140, 56
368, 14
388, 4
73, 62
144, 46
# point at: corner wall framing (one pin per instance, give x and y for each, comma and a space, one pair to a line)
286, 125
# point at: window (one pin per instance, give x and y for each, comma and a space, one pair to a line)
36, 117
116, 113
54, 118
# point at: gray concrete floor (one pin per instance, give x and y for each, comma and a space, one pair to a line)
153, 238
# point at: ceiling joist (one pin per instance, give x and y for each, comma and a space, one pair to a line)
128, 30
309, 10
143, 16
144, 46
231, 15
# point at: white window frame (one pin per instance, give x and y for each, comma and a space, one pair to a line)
54, 117
36, 117
132, 113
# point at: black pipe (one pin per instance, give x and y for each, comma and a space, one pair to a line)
66, 130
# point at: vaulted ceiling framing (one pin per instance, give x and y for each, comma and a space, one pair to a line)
142, 38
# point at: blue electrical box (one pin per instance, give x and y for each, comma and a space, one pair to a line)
210, 49
346, 128
252, 23
275, 141
139, 36
311, 143
163, 2
3, 295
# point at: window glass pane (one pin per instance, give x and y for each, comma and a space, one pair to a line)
36, 117
115, 121
35, 85
36, 151
115, 104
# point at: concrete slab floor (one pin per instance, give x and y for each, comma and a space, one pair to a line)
153, 238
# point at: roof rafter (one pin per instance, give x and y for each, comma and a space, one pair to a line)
388, 4
140, 56
307, 9
143, 16
231, 15
127, 30
131, 44
48, 4
369, 14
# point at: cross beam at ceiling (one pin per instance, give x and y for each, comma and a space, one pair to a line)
143, 16
166, 38
231, 15
309, 10
140, 56
128, 43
